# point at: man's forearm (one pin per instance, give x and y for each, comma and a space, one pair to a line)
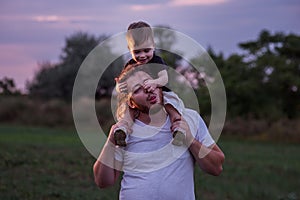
105, 173
210, 159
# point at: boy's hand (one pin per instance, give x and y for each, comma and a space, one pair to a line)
150, 85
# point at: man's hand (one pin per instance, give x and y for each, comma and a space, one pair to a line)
122, 123
182, 125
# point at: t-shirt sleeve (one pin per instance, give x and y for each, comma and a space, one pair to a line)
203, 134
119, 154
198, 127
174, 100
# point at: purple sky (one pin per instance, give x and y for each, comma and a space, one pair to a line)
34, 31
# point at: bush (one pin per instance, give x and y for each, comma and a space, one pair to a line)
285, 130
23, 110
26, 111
11, 107
245, 127
280, 130
105, 113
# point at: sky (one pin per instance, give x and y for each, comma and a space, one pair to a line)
33, 32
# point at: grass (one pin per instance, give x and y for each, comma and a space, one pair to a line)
44, 163
254, 170
40, 163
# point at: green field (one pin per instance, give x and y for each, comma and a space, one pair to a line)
44, 163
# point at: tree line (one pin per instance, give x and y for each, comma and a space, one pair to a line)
261, 82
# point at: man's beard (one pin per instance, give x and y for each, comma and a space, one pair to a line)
150, 111
153, 108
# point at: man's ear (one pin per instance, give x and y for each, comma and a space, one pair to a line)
131, 103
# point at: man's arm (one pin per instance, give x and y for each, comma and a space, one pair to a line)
210, 159
106, 168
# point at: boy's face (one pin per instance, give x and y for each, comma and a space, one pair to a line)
143, 53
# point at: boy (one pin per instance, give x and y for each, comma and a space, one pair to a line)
141, 44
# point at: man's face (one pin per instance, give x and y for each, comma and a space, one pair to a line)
139, 98
143, 53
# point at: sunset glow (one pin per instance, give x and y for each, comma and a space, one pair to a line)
196, 2
50, 18
58, 19
35, 31
175, 3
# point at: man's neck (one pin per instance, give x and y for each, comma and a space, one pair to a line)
153, 119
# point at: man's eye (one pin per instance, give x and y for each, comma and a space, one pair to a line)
137, 90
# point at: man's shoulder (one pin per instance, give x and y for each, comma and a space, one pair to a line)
191, 114
193, 119
198, 127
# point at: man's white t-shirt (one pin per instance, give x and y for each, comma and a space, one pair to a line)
154, 168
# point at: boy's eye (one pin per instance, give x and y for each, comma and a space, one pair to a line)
148, 50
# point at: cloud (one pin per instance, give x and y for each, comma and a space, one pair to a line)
62, 19
175, 3
144, 7
195, 2
48, 18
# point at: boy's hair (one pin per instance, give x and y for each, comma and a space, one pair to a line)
138, 33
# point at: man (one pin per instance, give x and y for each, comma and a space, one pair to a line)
153, 167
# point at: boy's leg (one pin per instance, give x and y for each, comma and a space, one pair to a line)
179, 136
173, 113
120, 137
120, 133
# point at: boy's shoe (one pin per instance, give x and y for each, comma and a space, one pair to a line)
120, 137
178, 138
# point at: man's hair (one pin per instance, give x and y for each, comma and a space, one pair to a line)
122, 96
132, 69
138, 33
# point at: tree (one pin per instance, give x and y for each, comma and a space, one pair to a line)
57, 80
8, 87
274, 60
